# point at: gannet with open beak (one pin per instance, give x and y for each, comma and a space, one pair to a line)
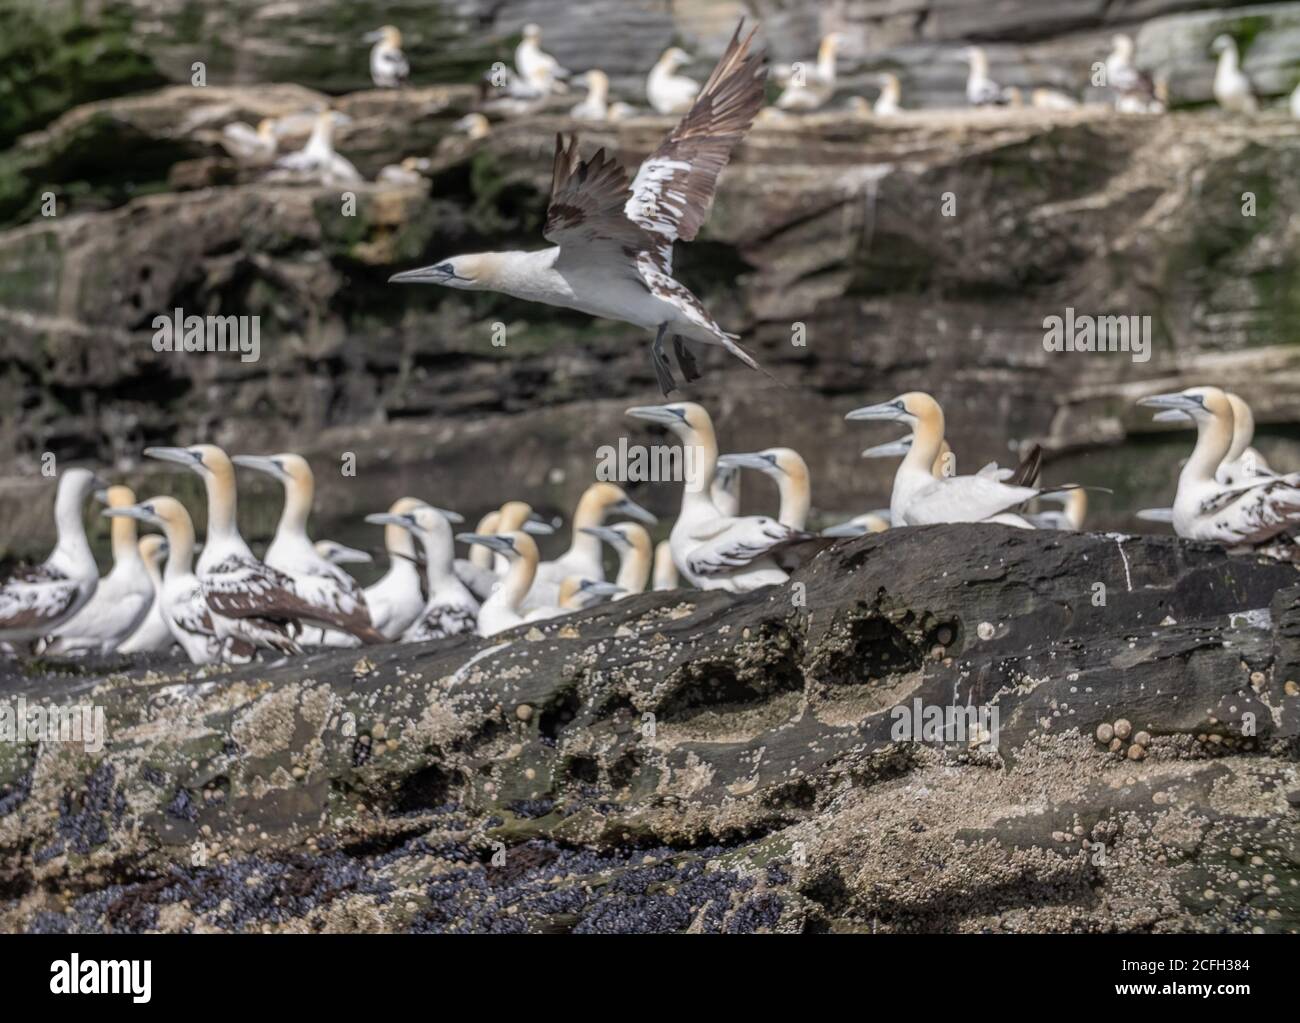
317, 157
153, 633
334, 599
981, 90
185, 608
1247, 514
35, 601
595, 105
666, 90
501, 610
889, 102
388, 66
450, 609
787, 467
665, 571
1232, 89
632, 544
254, 605
253, 146
818, 85
120, 601
395, 601
537, 67
613, 242
712, 551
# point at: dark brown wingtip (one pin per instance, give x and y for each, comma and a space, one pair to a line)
1029, 469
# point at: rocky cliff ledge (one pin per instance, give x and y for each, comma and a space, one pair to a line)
693, 761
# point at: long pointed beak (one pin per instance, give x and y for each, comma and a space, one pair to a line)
610, 536
884, 410
654, 414
845, 529
633, 510
388, 519
450, 516
597, 588
748, 460
1156, 515
432, 274
1168, 401
342, 555
1172, 415
101, 495
894, 449
181, 456
538, 526
495, 543
129, 512
259, 463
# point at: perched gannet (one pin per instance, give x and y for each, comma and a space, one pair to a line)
1135, 91
1242, 461
474, 126
450, 609
981, 90
317, 158
790, 471
1249, 513
501, 610
1052, 99
583, 558
1069, 518
712, 551
665, 572
339, 554
889, 102
254, 605
868, 522
516, 515
410, 172
153, 633
35, 601
575, 594
818, 84
612, 253
334, 599
480, 556
388, 66
595, 106
667, 91
632, 544
395, 601
536, 67
254, 146
1232, 89
185, 608
120, 601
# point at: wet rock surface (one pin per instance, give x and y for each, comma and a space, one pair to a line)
693, 761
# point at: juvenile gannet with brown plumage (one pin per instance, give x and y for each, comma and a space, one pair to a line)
1232, 89
666, 90
318, 158
120, 601
395, 601
787, 467
808, 88
537, 67
389, 68
37, 600
613, 242
632, 544
153, 633
665, 571
450, 609
501, 610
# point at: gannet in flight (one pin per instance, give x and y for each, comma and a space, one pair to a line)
340, 554
318, 158
889, 102
632, 544
712, 551
665, 572
787, 467
450, 609
395, 601
818, 84
254, 146
333, 599
120, 601
613, 242
536, 67
153, 633
575, 594
388, 66
667, 91
595, 105
981, 90
35, 601
1249, 513
1232, 89
501, 610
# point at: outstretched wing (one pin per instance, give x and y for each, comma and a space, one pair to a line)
963, 499
585, 217
36, 599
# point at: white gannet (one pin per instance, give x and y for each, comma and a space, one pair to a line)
254, 605
510, 516
537, 67
787, 467
632, 544
450, 609
335, 599
981, 90
1052, 99
153, 633
185, 609
712, 551
474, 126
725, 490
1232, 89
1242, 461
1247, 514
665, 572
317, 158
583, 558
253, 146
1295, 103
501, 610
395, 601
613, 243
37, 600
818, 84
340, 554
667, 91
120, 601
575, 594
868, 522
388, 66
1069, 518
1135, 91
889, 102
595, 105
409, 173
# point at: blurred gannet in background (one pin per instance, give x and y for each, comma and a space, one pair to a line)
632, 544
1242, 461
787, 467
1232, 89
37, 600
613, 243
818, 84
395, 601
665, 572
1249, 513
710, 550
255, 147
888, 103
450, 609
1069, 518
511, 516
339, 554
536, 67
981, 90
475, 126
120, 601
1052, 99
501, 610
1295, 103
667, 91
575, 594
868, 522
1135, 92
409, 172
152, 633
595, 105
388, 66
318, 158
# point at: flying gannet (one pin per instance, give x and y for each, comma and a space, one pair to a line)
665, 572
613, 243
632, 544
120, 601
981, 90
1250, 513
501, 610
153, 633
889, 102
818, 84
339, 554
450, 609
667, 91
333, 599
1232, 89
317, 158
537, 67
37, 600
787, 467
388, 66
595, 105
253, 146
395, 601
712, 551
